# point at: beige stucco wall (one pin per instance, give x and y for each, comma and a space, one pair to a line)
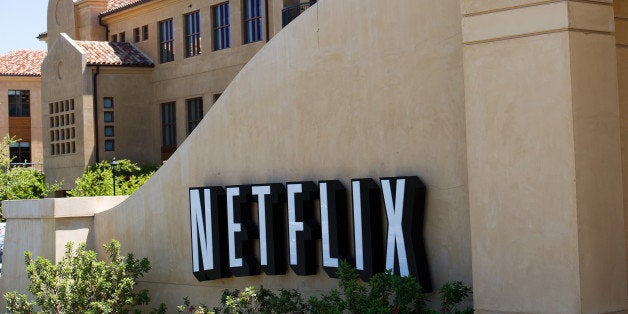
87, 21
43, 227
61, 19
316, 104
544, 157
510, 115
137, 120
621, 38
66, 77
32, 84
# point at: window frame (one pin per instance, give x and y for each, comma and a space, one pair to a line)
194, 108
23, 149
109, 127
113, 145
168, 125
136, 35
252, 26
104, 102
20, 104
221, 26
144, 32
166, 45
105, 119
192, 33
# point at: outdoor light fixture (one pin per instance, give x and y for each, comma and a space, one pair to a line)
113, 171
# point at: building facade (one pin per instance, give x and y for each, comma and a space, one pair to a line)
20, 104
132, 79
512, 114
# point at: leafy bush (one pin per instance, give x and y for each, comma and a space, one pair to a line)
97, 180
452, 293
18, 183
384, 293
79, 283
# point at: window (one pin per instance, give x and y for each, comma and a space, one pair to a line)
19, 103
166, 41
122, 37
168, 125
222, 38
109, 145
20, 151
108, 116
109, 131
145, 32
252, 21
114, 38
192, 34
136, 35
108, 102
195, 112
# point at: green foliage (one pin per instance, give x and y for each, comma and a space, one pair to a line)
18, 183
452, 293
79, 283
384, 293
97, 180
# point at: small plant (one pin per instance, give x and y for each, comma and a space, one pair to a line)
79, 283
452, 293
384, 293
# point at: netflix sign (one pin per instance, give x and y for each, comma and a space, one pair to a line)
386, 228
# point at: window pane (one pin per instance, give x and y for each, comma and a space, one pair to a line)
108, 102
195, 112
192, 34
145, 32
19, 103
166, 39
168, 122
108, 131
109, 145
108, 116
221, 26
252, 21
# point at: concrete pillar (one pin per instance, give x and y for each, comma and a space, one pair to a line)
43, 227
621, 39
543, 136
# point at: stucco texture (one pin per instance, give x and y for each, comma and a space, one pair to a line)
350, 89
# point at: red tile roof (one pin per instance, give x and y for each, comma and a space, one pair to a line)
112, 53
119, 5
22, 63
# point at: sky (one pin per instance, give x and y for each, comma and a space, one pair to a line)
20, 23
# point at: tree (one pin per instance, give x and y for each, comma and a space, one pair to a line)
17, 183
79, 283
97, 180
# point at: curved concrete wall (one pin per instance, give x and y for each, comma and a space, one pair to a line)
351, 89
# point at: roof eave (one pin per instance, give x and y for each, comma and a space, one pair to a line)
121, 65
20, 75
122, 8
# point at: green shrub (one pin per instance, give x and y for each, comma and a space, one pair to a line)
452, 293
79, 283
19, 183
384, 293
97, 180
